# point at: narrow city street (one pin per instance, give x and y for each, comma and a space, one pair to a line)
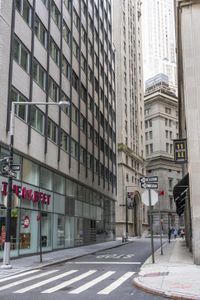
107, 274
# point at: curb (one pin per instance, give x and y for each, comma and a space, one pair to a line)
166, 294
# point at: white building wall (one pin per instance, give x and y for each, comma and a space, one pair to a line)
190, 42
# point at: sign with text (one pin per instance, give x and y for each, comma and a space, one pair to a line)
180, 151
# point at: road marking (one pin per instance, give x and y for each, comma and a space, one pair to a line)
106, 262
115, 256
4, 287
116, 284
92, 283
31, 287
68, 282
18, 275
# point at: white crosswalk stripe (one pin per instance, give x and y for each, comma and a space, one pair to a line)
116, 284
92, 283
18, 275
67, 283
10, 285
31, 287
89, 283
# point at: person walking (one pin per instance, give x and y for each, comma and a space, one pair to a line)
169, 234
175, 233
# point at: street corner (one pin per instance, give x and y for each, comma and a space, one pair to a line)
141, 284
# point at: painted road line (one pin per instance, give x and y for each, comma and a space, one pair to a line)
116, 284
10, 285
68, 282
92, 283
36, 285
105, 263
18, 275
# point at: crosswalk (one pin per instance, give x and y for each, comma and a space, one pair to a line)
55, 281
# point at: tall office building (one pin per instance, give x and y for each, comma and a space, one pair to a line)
161, 128
130, 212
51, 51
159, 39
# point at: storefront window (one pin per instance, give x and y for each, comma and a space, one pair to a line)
46, 230
59, 236
59, 184
69, 231
71, 188
30, 172
46, 179
78, 231
28, 231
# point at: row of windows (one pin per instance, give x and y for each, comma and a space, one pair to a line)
37, 121
22, 56
41, 32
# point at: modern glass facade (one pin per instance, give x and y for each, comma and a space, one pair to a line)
53, 210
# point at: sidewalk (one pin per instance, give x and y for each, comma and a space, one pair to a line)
33, 262
173, 275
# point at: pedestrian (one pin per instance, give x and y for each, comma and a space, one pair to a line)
182, 233
175, 233
169, 234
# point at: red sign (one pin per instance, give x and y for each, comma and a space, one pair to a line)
27, 194
26, 222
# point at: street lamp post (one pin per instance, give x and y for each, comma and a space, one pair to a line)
6, 255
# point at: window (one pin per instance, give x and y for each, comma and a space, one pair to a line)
37, 119
150, 123
76, 19
74, 114
83, 93
75, 49
21, 55
150, 134
25, 10
82, 155
66, 68
66, 33
166, 134
64, 141
40, 31
52, 131
74, 148
39, 75
45, 2
20, 110
168, 110
170, 181
75, 81
68, 4
83, 62
83, 123
167, 147
54, 52
53, 90
83, 34
151, 148
55, 14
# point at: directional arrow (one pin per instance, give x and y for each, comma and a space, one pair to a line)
146, 185
15, 167
142, 179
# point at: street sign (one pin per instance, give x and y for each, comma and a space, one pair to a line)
149, 185
180, 151
149, 179
145, 197
15, 167
5, 168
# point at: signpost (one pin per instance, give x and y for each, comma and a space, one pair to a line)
150, 197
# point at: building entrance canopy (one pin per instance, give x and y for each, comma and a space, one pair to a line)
179, 193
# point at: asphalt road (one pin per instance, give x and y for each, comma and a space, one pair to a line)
104, 275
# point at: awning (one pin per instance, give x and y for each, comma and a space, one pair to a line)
179, 193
